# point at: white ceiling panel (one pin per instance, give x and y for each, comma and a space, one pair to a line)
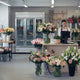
36, 3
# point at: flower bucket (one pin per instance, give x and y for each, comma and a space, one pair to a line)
8, 38
38, 70
3, 37
71, 70
57, 71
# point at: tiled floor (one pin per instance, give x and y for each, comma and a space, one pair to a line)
21, 69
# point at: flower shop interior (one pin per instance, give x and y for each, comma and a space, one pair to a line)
39, 39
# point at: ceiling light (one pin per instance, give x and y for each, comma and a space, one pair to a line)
52, 1
4, 3
52, 6
25, 6
78, 6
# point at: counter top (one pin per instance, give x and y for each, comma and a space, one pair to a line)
6, 41
61, 44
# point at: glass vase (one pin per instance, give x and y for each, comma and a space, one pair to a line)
8, 38
57, 71
38, 70
3, 37
46, 38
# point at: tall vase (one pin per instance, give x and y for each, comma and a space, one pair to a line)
57, 71
8, 38
46, 38
52, 37
71, 70
38, 70
3, 37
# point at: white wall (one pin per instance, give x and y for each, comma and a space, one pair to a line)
3, 15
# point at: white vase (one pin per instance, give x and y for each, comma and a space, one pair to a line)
8, 38
51, 36
3, 37
70, 25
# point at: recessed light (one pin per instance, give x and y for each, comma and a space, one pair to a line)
25, 6
78, 6
4, 3
52, 6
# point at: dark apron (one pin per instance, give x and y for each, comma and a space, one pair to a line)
64, 36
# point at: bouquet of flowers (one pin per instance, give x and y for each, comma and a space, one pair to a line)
37, 43
4, 49
37, 58
47, 28
56, 61
8, 31
71, 56
1, 30
70, 20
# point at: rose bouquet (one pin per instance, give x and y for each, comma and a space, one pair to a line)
70, 20
37, 43
47, 28
37, 58
57, 63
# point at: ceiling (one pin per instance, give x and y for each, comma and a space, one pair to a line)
42, 3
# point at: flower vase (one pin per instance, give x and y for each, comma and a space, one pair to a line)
38, 70
70, 25
57, 71
71, 70
3, 37
52, 37
8, 38
46, 38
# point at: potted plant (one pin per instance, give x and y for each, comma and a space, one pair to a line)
72, 57
57, 63
57, 39
37, 58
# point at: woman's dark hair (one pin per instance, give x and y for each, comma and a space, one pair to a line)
63, 21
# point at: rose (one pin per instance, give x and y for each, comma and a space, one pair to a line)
70, 61
54, 62
32, 57
38, 54
63, 63
43, 58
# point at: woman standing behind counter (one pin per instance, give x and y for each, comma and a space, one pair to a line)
64, 32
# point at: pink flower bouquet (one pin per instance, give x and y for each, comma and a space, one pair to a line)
56, 61
47, 28
36, 57
37, 43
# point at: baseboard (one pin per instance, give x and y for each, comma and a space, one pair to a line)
21, 53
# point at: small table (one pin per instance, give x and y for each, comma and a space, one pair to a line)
10, 46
